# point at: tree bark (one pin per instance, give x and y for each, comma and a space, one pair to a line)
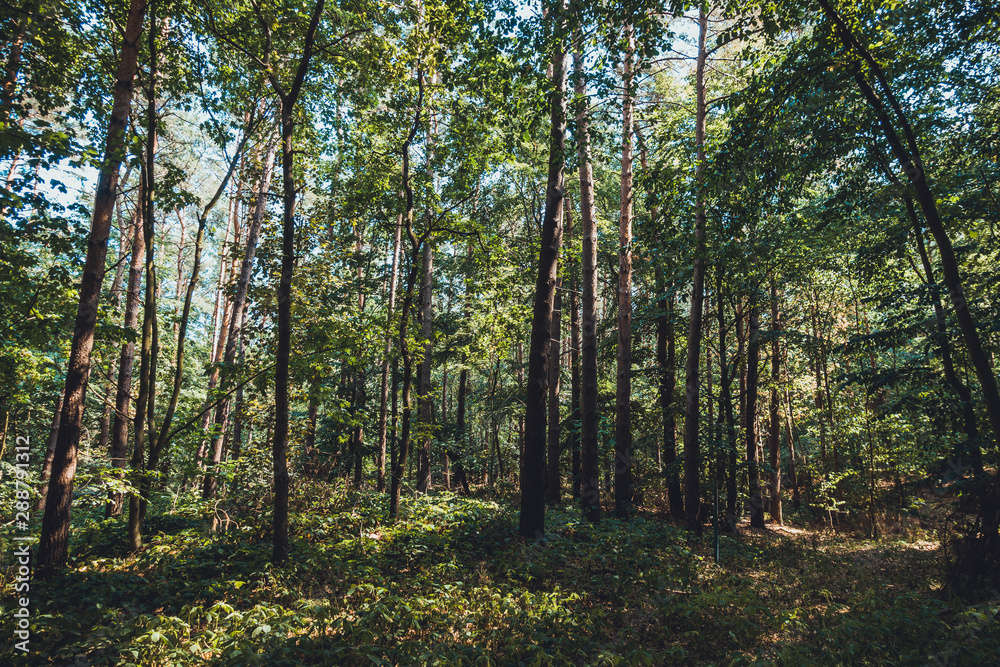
692, 385
463, 377
727, 374
386, 359
753, 357
360, 397
774, 435
552, 479
145, 424
574, 359
790, 434
221, 313
157, 450
123, 393
666, 357
623, 384
404, 316
590, 484
124, 249
532, 517
424, 401
50, 452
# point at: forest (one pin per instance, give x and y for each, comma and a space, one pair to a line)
481, 332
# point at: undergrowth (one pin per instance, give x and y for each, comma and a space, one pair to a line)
451, 584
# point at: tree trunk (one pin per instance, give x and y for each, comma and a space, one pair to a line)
50, 452
404, 317
590, 484
463, 377
145, 424
238, 306
790, 434
180, 269
124, 249
360, 397
774, 436
386, 358
158, 449
971, 446
532, 518
666, 359
753, 357
726, 376
221, 313
52, 547
552, 479
574, 359
279, 444
424, 400
623, 384
692, 385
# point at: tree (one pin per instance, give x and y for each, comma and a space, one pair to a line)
623, 389
692, 384
53, 544
532, 517
590, 487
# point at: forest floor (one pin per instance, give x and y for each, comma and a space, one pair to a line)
452, 584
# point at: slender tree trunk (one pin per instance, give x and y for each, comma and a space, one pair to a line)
52, 547
424, 401
774, 436
753, 357
692, 381
180, 268
463, 377
158, 448
312, 417
123, 395
519, 360
590, 484
706, 332
532, 518
238, 305
222, 312
726, 376
552, 479
623, 386
444, 391
666, 357
971, 444
360, 397
404, 316
818, 359
574, 326
404, 351
790, 434
125, 247
386, 356
145, 424
50, 452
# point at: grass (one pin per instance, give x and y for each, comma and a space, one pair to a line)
451, 584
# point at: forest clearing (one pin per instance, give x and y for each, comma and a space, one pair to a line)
442, 332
